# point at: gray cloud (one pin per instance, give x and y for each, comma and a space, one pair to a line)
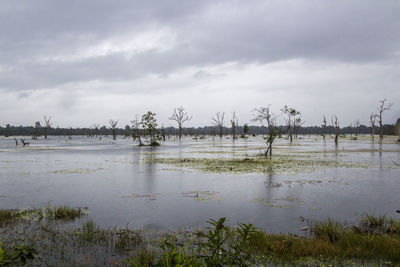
130, 47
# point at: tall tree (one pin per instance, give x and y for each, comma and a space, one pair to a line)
324, 128
113, 126
335, 124
297, 123
218, 120
95, 129
180, 116
36, 132
149, 125
136, 130
382, 107
372, 119
235, 124
47, 125
266, 118
291, 116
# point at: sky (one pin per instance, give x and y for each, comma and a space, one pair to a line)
85, 62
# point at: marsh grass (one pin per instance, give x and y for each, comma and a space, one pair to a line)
257, 164
62, 213
373, 241
7, 216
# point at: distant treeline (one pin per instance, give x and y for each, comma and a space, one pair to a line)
207, 130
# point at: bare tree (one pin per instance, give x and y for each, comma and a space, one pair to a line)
235, 124
324, 128
267, 119
180, 116
218, 120
335, 124
264, 116
136, 129
95, 129
372, 119
47, 125
297, 123
113, 125
382, 107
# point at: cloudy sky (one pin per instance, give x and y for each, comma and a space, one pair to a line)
85, 62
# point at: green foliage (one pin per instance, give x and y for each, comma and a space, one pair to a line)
328, 230
89, 230
149, 125
6, 216
177, 256
226, 246
19, 254
144, 258
245, 129
62, 213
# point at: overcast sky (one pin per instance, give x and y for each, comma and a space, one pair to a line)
85, 62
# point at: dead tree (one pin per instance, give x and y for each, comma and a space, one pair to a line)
136, 130
372, 119
264, 116
47, 125
218, 120
235, 124
335, 124
267, 119
95, 129
180, 116
382, 108
297, 123
324, 128
16, 141
113, 125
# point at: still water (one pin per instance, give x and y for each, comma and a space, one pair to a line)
118, 185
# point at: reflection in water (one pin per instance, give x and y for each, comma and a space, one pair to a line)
106, 172
380, 156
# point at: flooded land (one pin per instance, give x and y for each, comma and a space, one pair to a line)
180, 185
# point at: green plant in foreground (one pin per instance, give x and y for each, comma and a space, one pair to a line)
21, 253
226, 246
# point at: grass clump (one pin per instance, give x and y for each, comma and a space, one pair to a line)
63, 213
329, 243
7, 216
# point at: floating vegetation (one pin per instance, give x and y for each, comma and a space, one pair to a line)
203, 195
152, 196
279, 202
76, 170
291, 199
276, 164
8, 216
